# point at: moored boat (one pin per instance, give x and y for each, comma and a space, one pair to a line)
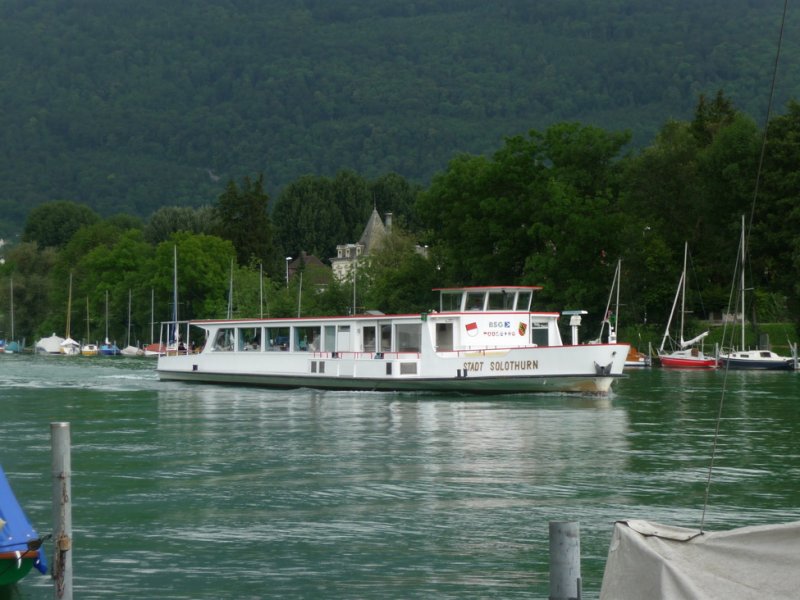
687, 355
757, 359
480, 340
49, 345
20, 546
89, 350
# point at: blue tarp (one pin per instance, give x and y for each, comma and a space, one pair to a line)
16, 532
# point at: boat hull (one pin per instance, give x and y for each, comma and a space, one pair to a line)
12, 569
780, 364
688, 363
592, 369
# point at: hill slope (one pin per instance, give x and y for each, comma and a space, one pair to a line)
131, 106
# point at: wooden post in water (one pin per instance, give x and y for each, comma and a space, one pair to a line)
565, 560
62, 511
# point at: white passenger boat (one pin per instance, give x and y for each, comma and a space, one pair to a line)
480, 340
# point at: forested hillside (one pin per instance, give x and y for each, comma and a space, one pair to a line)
128, 107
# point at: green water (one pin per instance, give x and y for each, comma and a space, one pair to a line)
215, 492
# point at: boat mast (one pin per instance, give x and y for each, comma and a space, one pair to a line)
615, 328
672, 312
12, 310
69, 302
88, 332
742, 281
128, 342
683, 288
230, 294
175, 291
107, 318
152, 312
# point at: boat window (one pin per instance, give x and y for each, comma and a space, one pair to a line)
368, 338
450, 301
444, 337
409, 337
249, 339
524, 301
501, 300
277, 338
386, 338
223, 341
307, 339
475, 300
539, 333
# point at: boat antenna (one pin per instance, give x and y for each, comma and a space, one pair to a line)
752, 212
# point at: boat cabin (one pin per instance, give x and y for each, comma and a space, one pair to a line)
468, 320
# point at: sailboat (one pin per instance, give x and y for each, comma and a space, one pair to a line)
687, 356
752, 359
634, 358
108, 348
153, 349
88, 349
69, 347
130, 350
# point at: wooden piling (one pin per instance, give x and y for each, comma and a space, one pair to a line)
62, 510
565, 560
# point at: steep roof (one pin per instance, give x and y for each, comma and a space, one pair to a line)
374, 232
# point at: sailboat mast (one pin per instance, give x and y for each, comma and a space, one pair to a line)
683, 288
12, 310
128, 342
616, 310
230, 294
742, 281
106, 316
88, 331
175, 291
152, 312
69, 303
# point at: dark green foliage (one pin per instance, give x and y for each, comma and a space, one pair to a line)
242, 216
314, 214
52, 225
131, 107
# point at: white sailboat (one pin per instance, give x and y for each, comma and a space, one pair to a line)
752, 359
69, 347
687, 355
88, 349
130, 350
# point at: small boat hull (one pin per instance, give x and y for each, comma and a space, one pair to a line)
14, 566
688, 363
772, 363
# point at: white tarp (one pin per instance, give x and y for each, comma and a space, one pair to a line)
649, 560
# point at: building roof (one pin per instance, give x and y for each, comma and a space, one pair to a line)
374, 232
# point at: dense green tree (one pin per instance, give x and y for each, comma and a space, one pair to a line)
399, 277
203, 274
30, 268
711, 117
170, 219
542, 207
53, 224
242, 216
775, 243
